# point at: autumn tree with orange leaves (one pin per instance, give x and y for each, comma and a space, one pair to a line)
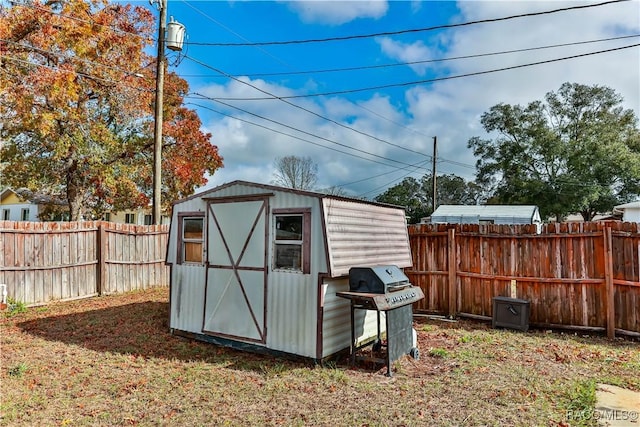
76, 108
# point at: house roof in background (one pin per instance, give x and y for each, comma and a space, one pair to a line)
31, 197
488, 211
630, 205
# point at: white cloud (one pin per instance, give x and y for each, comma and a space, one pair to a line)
408, 53
336, 12
448, 109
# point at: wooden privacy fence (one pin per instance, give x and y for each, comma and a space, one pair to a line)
582, 276
46, 261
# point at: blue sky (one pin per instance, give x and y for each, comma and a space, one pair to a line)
367, 140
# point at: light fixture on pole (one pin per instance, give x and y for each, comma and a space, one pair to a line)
174, 42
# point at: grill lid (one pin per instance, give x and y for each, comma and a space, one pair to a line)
379, 279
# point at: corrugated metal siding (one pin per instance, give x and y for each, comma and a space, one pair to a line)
364, 235
187, 298
358, 234
291, 324
292, 314
500, 214
336, 326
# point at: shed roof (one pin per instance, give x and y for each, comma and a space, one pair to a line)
487, 211
206, 193
357, 232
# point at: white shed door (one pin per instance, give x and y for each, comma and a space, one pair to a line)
237, 269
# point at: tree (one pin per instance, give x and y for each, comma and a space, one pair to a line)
296, 172
417, 196
578, 151
409, 194
76, 108
334, 191
452, 190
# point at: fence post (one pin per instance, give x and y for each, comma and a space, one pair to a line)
453, 262
609, 287
101, 246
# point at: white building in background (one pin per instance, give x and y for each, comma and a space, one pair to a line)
487, 214
630, 211
24, 205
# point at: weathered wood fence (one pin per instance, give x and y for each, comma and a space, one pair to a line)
46, 261
582, 276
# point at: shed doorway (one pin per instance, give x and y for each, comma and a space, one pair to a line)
237, 274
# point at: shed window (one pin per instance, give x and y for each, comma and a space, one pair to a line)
192, 240
130, 218
24, 214
291, 241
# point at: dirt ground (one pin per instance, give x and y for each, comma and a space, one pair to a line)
112, 361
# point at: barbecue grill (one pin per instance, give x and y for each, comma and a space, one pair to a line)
386, 289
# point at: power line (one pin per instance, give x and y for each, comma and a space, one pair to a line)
303, 108
395, 168
77, 19
266, 52
428, 61
437, 79
77, 73
302, 131
416, 166
386, 185
72, 58
416, 30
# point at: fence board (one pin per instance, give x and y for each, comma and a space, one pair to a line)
43, 262
561, 271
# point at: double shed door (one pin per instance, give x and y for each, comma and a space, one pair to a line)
237, 239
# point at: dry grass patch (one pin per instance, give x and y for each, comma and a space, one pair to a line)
112, 361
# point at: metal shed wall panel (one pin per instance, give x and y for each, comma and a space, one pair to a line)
336, 325
187, 296
292, 297
292, 313
364, 235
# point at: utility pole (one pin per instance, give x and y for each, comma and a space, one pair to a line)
435, 139
157, 132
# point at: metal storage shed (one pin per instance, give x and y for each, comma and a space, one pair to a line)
258, 266
486, 214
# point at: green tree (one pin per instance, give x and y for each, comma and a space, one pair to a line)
452, 190
417, 196
409, 194
576, 151
76, 108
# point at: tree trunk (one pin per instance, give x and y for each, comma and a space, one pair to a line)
74, 193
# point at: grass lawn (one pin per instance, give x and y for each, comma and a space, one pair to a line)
111, 361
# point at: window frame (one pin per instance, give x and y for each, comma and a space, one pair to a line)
305, 243
24, 214
129, 218
181, 240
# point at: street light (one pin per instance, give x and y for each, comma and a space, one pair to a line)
176, 36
